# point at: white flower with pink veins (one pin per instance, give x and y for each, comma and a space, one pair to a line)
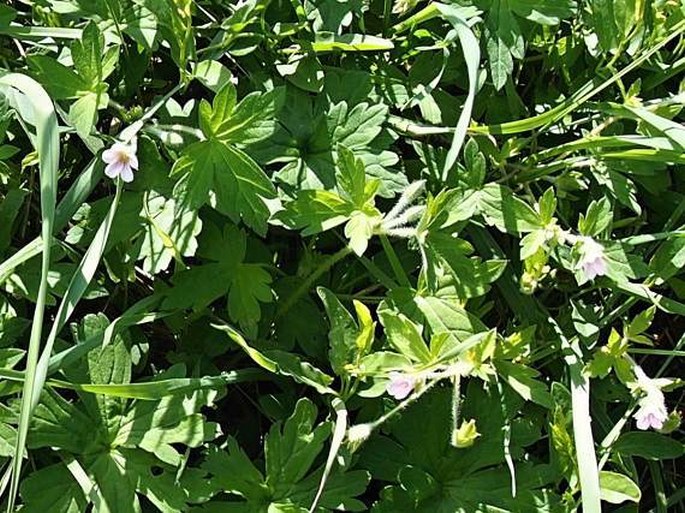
652, 412
592, 259
121, 160
401, 385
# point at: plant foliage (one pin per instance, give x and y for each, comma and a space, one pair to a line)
385, 255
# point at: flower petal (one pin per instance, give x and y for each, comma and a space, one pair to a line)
594, 268
133, 161
400, 385
114, 169
655, 422
127, 174
109, 155
600, 266
642, 422
120, 147
589, 272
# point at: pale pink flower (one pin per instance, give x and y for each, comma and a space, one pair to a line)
592, 260
401, 385
121, 160
652, 412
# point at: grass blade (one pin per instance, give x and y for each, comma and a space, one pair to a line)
149, 390
588, 470
36, 108
41, 32
72, 200
471, 48
79, 282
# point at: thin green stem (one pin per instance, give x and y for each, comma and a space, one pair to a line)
659, 491
672, 354
377, 273
387, 6
307, 284
395, 263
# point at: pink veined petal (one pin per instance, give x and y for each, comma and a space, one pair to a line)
399, 390
589, 272
133, 161
109, 155
127, 174
643, 422
655, 422
600, 266
594, 268
400, 385
114, 169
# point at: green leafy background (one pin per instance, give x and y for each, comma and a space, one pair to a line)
329, 193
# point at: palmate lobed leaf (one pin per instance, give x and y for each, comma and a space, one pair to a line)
52, 488
452, 295
405, 336
446, 479
505, 41
289, 482
122, 473
316, 210
238, 186
230, 121
246, 284
60, 80
308, 132
446, 254
170, 234
119, 442
121, 462
343, 332
544, 12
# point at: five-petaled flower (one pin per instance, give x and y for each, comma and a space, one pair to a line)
652, 412
401, 385
592, 260
121, 160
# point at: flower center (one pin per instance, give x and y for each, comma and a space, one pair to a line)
123, 157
